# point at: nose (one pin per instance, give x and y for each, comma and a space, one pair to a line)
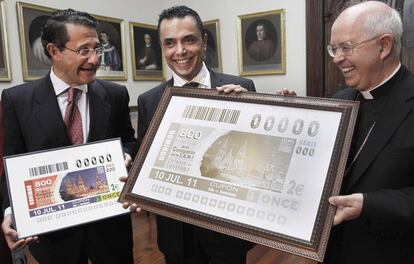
339, 56
180, 49
94, 59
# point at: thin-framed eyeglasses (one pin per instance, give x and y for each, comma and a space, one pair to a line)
86, 53
346, 48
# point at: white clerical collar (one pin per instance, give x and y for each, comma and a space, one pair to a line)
203, 78
60, 86
368, 95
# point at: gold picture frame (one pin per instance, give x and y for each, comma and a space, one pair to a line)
230, 164
5, 74
35, 64
213, 52
147, 62
115, 68
261, 43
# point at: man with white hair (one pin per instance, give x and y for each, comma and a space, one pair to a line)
374, 220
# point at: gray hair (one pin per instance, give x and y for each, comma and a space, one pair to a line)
380, 23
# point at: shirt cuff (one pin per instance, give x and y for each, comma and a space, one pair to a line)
8, 211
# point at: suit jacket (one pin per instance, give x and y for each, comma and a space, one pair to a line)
384, 173
33, 121
176, 239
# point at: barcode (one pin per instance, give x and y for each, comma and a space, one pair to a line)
48, 169
214, 114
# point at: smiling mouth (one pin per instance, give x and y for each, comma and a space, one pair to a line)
347, 69
93, 69
183, 61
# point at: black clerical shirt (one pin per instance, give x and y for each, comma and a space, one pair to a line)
369, 111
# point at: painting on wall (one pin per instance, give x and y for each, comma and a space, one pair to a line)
146, 52
4, 51
213, 53
31, 18
36, 64
261, 43
112, 62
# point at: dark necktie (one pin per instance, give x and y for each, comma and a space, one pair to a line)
191, 85
73, 119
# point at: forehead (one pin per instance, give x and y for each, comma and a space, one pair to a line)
347, 27
81, 34
178, 27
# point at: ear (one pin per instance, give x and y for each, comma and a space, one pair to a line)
386, 45
53, 51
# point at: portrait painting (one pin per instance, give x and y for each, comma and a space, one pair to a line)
31, 18
5, 75
146, 52
213, 53
261, 43
112, 62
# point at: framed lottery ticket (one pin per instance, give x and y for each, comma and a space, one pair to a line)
58, 188
255, 166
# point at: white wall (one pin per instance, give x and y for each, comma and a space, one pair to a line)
228, 10
147, 12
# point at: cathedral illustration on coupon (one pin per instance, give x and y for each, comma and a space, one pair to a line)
83, 184
249, 159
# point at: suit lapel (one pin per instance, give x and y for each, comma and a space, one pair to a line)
99, 111
384, 129
47, 111
215, 79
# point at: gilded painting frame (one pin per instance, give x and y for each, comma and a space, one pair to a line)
146, 54
213, 53
114, 68
261, 43
5, 74
35, 64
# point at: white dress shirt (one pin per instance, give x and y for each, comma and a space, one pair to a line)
203, 78
61, 92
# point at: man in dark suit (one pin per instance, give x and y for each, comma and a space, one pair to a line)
375, 212
183, 44
34, 119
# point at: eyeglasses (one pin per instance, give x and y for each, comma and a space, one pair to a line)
346, 48
86, 53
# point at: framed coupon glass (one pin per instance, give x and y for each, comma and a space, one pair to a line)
112, 62
35, 63
55, 189
255, 166
213, 52
146, 52
5, 74
261, 43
